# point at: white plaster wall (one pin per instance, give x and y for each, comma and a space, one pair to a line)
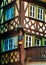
26, 5
16, 10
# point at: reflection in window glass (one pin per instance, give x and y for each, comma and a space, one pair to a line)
9, 14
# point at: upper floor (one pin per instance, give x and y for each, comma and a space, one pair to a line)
29, 14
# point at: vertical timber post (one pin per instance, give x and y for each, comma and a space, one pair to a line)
21, 46
21, 33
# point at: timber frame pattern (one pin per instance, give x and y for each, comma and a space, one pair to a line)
30, 26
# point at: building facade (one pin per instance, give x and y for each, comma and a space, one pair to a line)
23, 32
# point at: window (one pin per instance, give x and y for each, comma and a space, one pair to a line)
28, 41
10, 44
37, 42
9, 14
45, 42
6, 45
40, 14
32, 11
36, 12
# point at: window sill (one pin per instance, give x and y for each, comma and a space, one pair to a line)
36, 19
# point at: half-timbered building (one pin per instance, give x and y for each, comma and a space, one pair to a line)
23, 32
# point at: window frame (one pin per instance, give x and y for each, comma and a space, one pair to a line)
36, 42
14, 44
28, 45
40, 9
36, 12
7, 44
33, 5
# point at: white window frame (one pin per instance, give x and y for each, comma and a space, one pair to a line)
28, 41
36, 42
33, 12
9, 44
39, 13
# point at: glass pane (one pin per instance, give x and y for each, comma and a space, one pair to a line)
15, 42
41, 11
26, 38
33, 9
37, 42
30, 44
9, 14
26, 44
12, 12
6, 42
41, 17
10, 43
38, 10
29, 39
5, 45
6, 48
30, 13
38, 16
30, 8
33, 14
45, 42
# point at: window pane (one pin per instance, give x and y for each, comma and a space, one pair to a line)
26, 38
45, 42
12, 12
30, 8
41, 11
26, 44
5, 45
10, 44
33, 14
32, 11
29, 39
38, 10
37, 42
9, 14
40, 14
